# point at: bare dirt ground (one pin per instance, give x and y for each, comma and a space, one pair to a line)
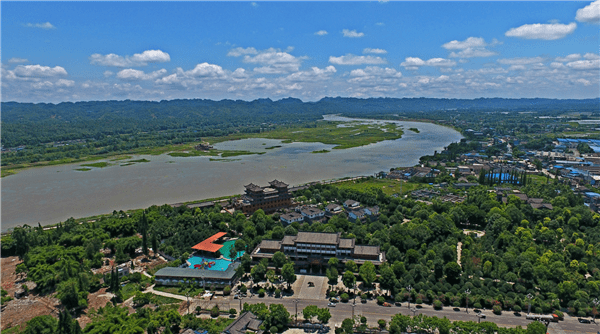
95, 300
19, 311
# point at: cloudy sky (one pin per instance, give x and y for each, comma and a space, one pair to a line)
79, 51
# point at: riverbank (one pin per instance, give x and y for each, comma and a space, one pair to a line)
341, 134
55, 193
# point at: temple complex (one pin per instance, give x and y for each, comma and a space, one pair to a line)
269, 198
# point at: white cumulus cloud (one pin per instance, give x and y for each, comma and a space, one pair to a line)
274, 61
472, 53
471, 42
136, 75
45, 25
413, 63
321, 33
521, 61
544, 31
571, 57
138, 59
151, 56
589, 13
239, 51
585, 64
352, 33
376, 51
203, 70
313, 74
39, 71
65, 83
350, 59
16, 60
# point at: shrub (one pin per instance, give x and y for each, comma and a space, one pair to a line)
581, 313
214, 312
419, 301
539, 310
244, 289
273, 329
364, 296
497, 309
345, 297
437, 305
363, 319
261, 293
517, 308
381, 323
332, 294
232, 312
227, 290
380, 300
559, 314
477, 305
456, 304
277, 293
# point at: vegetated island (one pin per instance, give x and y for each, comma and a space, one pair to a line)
415, 130
321, 151
48, 134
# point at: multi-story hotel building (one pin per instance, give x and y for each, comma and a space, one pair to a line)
269, 198
309, 246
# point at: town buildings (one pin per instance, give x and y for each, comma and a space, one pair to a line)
306, 247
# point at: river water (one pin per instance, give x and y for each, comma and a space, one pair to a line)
51, 194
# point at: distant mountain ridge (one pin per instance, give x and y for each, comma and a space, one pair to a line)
273, 111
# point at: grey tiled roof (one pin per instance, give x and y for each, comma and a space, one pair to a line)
197, 273
270, 244
346, 243
366, 250
245, 320
288, 240
318, 238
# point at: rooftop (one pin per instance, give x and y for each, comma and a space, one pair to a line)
198, 273
246, 320
207, 245
318, 238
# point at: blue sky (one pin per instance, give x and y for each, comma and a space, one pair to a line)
80, 51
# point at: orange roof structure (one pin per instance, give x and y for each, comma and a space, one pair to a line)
207, 245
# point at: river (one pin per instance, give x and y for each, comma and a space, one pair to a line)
51, 194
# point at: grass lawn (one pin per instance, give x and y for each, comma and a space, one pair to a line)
178, 291
388, 186
162, 300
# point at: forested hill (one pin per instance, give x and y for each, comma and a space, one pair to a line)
266, 110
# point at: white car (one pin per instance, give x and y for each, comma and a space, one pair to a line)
331, 304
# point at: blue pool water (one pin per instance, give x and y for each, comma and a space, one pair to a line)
220, 264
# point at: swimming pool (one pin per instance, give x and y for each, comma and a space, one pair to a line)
227, 245
219, 264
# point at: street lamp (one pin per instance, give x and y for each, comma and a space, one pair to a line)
596, 301
353, 306
296, 304
409, 288
530, 297
414, 311
467, 292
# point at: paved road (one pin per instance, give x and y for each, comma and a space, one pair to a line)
374, 312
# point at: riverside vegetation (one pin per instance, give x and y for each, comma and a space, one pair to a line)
48, 134
550, 254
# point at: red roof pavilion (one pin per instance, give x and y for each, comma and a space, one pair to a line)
207, 245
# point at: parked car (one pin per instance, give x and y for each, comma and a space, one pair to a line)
331, 304
386, 304
584, 321
236, 297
